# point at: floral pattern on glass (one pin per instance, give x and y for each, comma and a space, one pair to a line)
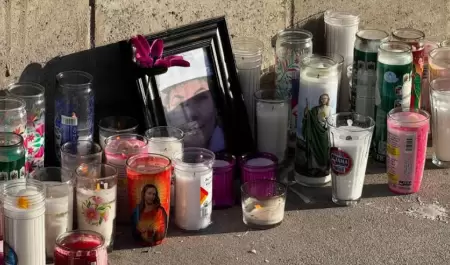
34, 140
95, 210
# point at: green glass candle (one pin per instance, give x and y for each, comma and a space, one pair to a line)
12, 156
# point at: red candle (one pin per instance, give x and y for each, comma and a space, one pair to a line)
80, 248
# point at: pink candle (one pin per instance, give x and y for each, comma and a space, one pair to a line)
406, 149
117, 150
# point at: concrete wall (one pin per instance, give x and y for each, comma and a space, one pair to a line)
41, 37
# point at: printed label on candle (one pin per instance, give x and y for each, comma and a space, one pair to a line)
95, 210
12, 169
341, 162
10, 256
205, 195
401, 166
393, 90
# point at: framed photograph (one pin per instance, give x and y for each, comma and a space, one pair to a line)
205, 99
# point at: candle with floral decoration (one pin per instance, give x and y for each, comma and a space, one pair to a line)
24, 222
96, 192
33, 96
117, 150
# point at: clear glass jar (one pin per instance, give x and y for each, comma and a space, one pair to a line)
114, 125
33, 95
74, 108
445, 43
13, 116
12, 156
394, 69
318, 96
364, 70
416, 39
292, 45
24, 215
438, 63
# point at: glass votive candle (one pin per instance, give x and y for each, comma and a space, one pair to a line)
257, 166
58, 204
440, 106
117, 150
223, 181
263, 203
80, 248
149, 178
96, 193
114, 125
166, 141
193, 180
407, 136
74, 154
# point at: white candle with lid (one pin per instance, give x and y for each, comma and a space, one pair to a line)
24, 217
259, 162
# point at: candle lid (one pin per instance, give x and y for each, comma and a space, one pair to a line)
409, 35
340, 18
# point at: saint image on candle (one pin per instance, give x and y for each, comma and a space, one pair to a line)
188, 102
149, 217
314, 132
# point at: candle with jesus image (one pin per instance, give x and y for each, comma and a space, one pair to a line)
189, 104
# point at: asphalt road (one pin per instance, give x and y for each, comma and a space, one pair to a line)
383, 228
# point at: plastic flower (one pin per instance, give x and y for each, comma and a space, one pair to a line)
91, 214
150, 57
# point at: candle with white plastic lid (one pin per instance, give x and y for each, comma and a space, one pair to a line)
272, 122
350, 138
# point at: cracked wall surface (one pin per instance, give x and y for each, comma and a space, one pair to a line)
34, 32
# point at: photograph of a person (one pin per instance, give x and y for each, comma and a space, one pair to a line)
188, 102
149, 217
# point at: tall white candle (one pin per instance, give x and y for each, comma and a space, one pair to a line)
349, 162
24, 216
272, 121
58, 212
166, 146
193, 205
96, 211
441, 130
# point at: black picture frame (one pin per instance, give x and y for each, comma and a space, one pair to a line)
212, 36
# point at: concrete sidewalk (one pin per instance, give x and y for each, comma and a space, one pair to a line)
383, 229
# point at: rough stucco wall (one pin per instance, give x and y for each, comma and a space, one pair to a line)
33, 32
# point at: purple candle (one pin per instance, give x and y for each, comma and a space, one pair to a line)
258, 166
223, 195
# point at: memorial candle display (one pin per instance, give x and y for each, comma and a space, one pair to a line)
193, 178
96, 193
416, 39
272, 122
256, 166
318, 95
117, 150
248, 57
394, 70
406, 149
24, 222
58, 204
166, 141
115, 125
149, 178
223, 181
350, 139
340, 32
440, 111
80, 248
33, 96
263, 203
